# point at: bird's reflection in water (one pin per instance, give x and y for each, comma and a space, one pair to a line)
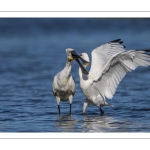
66, 122
98, 124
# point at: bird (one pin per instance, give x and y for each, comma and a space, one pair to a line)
63, 86
110, 63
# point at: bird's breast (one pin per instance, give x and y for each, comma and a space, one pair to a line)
64, 95
86, 87
91, 93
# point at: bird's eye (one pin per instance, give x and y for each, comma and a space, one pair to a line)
80, 54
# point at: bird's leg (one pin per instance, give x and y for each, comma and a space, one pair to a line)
102, 112
58, 109
58, 101
70, 117
70, 108
85, 105
70, 101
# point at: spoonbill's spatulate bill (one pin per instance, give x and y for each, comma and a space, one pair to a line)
110, 63
63, 86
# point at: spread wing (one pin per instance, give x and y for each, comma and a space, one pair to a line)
102, 54
116, 68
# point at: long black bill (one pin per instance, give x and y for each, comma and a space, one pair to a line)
76, 56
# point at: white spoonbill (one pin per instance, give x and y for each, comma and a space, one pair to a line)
110, 63
63, 86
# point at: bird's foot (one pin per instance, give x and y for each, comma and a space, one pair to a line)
101, 112
84, 113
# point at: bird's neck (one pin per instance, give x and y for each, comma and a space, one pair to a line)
67, 69
82, 75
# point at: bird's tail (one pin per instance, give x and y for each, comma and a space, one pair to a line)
106, 103
111, 105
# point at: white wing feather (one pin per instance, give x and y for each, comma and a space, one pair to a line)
116, 68
102, 54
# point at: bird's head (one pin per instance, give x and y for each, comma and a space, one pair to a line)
71, 55
85, 59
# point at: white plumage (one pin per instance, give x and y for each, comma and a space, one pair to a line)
110, 63
63, 85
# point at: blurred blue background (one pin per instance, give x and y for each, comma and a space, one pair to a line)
32, 51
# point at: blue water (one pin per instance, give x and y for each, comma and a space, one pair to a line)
32, 51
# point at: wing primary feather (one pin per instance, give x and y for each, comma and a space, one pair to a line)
114, 41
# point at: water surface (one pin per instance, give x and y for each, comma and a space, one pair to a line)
32, 51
